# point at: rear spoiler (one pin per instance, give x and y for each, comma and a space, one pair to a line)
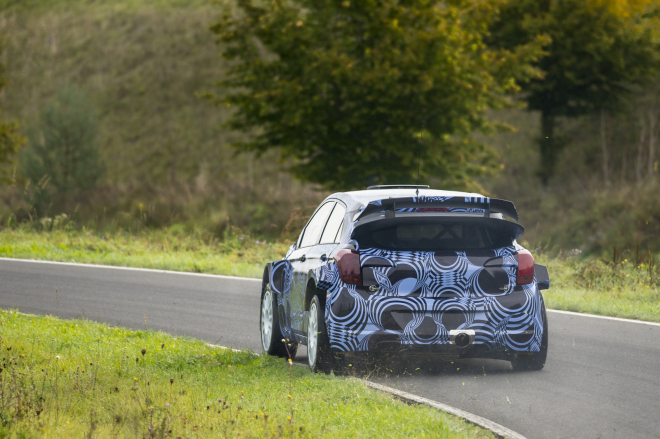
392, 205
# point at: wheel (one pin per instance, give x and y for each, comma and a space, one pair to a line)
319, 355
535, 361
269, 324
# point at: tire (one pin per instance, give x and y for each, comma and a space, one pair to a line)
319, 355
269, 327
535, 361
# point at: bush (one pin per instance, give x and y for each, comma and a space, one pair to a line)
62, 160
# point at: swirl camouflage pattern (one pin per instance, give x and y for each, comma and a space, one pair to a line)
427, 295
414, 299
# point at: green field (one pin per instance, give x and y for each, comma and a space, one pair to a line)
73, 378
626, 286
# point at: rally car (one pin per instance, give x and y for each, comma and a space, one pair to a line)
407, 268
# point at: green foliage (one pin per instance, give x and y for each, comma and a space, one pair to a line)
597, 221
62, 156
73, 379
10, 143
597, 51
625, 284
356, 92
10, 138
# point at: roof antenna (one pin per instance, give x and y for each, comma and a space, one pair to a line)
419, 165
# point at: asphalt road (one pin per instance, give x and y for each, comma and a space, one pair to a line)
602, 378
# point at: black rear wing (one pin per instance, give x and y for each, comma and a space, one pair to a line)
391, 206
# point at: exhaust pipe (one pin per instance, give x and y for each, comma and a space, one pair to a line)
462, 338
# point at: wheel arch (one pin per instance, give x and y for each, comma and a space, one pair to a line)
311, 291
265, 279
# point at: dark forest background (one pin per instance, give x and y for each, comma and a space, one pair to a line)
126, 79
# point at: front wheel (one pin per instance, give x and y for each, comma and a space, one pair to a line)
269, 324
536, 360
319, 355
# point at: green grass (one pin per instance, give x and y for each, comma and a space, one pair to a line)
177, 248
626, 286
72, 378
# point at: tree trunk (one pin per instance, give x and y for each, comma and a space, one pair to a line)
639, 171
624, 165
653, 115
251, 172
548, 147
603, 147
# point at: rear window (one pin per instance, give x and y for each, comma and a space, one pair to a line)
434, 237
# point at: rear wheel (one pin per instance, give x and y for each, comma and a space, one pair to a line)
536, 360
269, 324
319, 355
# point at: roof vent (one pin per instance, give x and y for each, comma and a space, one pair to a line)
399, 186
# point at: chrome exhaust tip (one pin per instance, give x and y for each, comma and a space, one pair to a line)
462, 338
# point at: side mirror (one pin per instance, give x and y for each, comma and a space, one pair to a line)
542, 278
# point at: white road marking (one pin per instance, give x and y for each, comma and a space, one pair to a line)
114, 267
643, 322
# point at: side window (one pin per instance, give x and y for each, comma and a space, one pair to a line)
330, 234
315, 225
341, 228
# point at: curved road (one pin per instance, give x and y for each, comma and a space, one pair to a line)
602, 378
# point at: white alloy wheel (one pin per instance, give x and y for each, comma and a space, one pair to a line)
312, 335
266, 319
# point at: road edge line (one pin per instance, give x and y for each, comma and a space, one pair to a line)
498, 430
618, 319
121, 267
223, 276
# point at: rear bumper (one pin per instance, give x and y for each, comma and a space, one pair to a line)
359, 321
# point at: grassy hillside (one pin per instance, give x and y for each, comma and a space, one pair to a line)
577, 210
141, 63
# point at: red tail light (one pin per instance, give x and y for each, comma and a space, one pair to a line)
525, 268
348, 262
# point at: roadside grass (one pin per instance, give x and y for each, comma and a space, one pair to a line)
76, 378
178, 248
626, 284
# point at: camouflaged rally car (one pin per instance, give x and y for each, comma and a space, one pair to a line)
407, 268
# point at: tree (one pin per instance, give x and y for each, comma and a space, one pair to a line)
10, 138
361, 92
62, 158
597, 50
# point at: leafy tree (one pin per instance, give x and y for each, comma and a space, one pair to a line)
598, 49
10, 138
362, 91
62, 154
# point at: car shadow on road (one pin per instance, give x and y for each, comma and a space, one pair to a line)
398, 365
401, 366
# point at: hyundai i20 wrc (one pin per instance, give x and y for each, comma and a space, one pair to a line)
407, 268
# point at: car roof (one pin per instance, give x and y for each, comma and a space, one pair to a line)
356, 199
